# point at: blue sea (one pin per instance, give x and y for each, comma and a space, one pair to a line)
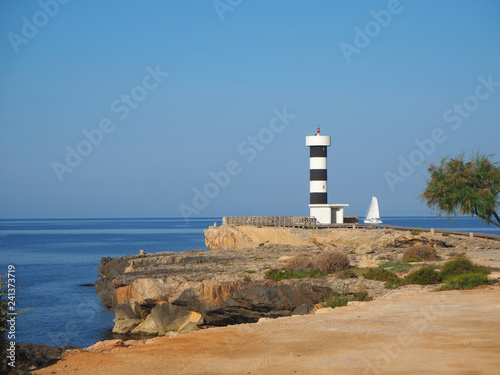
56, 261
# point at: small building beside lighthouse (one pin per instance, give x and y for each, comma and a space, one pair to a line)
318, 197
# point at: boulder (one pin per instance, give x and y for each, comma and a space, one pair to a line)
364, 249
369, 261
105, 346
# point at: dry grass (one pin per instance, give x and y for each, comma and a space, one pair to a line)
424, 252
327, 262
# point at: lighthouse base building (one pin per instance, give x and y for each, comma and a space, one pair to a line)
328, 213
319, 208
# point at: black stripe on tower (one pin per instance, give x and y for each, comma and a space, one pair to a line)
317, 151
318, 198
317, 175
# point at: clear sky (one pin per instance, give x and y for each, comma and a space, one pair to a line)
133, 109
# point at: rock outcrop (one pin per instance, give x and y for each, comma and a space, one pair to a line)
171, 292
243, 237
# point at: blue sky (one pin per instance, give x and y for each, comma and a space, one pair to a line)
184, 90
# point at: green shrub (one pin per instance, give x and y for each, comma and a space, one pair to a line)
397, 266
416, 232
466, 281
423, 276
277, 274
412, 258
424, 252
445, 234
250, 271
247, 278
362, 296
336, 300
379, 274
346, 274
460, 266
331, 261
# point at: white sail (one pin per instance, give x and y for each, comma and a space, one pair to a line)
373, 215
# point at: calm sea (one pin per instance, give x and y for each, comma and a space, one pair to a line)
56, 260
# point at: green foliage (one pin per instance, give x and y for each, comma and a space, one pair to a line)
277, 274
460, 266
346, 274
250, 271
380, 274
412, 258
466, 281
415, 232
398, 266
362, 296
445, 234
423, 276
247, 278
472, 187
336, 300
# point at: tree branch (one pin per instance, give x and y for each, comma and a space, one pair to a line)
488, 220
496, 217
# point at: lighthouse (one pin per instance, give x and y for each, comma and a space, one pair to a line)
318, 196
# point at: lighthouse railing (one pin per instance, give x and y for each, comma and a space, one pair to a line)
272, 221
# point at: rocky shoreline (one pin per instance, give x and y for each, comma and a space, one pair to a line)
168, 293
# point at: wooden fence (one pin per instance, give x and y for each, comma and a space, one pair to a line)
272, 221
310, 222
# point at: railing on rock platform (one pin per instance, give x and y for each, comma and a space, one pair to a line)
310, 222
272, 221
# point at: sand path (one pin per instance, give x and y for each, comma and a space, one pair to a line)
407, 331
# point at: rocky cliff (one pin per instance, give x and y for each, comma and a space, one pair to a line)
178, 292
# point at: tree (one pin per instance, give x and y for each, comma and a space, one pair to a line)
466, 187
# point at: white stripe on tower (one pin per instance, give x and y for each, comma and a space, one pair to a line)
317, 186
317, 163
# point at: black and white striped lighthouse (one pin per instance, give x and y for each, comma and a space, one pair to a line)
317, 167
318, 196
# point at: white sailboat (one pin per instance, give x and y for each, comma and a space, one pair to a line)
373, 215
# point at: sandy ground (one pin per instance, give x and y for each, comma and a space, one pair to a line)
408, 331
